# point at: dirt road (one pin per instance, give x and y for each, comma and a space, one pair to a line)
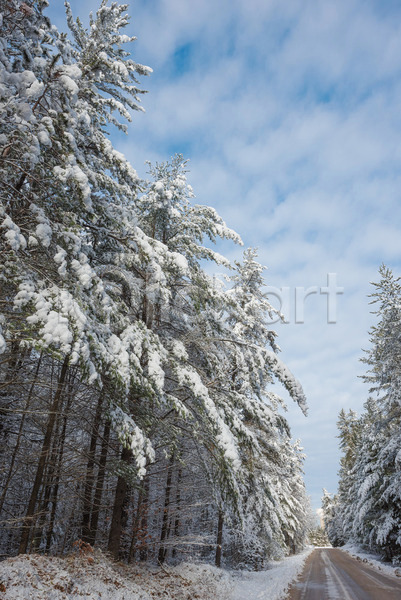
331, 574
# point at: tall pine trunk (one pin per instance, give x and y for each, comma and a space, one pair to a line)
143, 551
164, 531
57, 476
97, 497
27, 523
19, 436
14, 364
178, 509
219, 544
118, 509
135, 525
90, 477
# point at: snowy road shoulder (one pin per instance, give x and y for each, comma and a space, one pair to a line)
95, 577
272, 584
372, 559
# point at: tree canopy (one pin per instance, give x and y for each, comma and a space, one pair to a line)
135, 388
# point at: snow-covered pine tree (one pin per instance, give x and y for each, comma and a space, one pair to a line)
382, 465
110, 323
66, 197
221, 362
368, 505
272, 488
190, 324
332, 518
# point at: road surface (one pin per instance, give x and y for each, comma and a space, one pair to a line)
331, 574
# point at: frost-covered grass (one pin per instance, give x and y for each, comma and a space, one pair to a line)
95, 577
374, 560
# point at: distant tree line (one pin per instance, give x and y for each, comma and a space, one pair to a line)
136, 403
367, 508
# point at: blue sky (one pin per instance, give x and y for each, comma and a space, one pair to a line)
290, 114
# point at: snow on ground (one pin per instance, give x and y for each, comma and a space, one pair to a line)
272, 584
93, 576
373, 559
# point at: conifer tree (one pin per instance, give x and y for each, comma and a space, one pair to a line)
131, 379
368, 505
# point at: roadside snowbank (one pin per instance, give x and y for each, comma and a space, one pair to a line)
272, 584
94, 577
373, 559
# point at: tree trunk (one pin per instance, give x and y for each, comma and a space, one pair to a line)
135, 526
26, 528
163, 535
97, 498
43, 501
143, 551
89, 480
14, 364
178, 508
19, 436
219, 538
56, 481
118, 508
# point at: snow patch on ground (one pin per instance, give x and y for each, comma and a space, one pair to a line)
272, 584
372, 559
92, 576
